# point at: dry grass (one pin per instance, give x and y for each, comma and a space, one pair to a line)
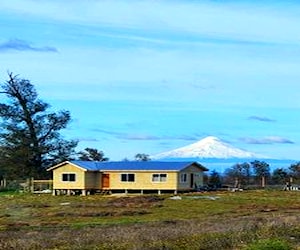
232, 221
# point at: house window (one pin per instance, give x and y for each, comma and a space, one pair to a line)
68, 177
127, 177
159, 177
183, 178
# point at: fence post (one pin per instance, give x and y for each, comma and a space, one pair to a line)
31, 184
26, 187
3, 183
263, 181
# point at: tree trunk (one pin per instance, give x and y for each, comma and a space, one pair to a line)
263, 181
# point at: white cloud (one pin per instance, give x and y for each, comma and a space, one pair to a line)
241, 21
21, 45
261, 118
267, 140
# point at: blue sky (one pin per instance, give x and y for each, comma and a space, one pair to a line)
151, 76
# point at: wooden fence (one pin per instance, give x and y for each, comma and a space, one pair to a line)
27, 185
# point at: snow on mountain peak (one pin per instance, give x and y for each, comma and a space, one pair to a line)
210, 139
209, 147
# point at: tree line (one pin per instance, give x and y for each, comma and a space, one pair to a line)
31, 137
255, 173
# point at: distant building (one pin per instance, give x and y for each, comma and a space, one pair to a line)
86, 177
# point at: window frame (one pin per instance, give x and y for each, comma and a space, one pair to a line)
159, 177
129, 177
70, 177
183, 178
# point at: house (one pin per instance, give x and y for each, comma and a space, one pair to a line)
86, 177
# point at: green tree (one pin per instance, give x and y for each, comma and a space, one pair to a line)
261, 170
246, 172
239, 174
215, 179
142, 157
92, 154
30, 138
294, 172
280, 176
234, 175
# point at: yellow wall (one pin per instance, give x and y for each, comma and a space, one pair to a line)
68, 169
143, 180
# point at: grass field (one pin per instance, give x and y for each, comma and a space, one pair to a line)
225, 220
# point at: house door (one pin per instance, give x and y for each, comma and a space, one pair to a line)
192, 181
105, 180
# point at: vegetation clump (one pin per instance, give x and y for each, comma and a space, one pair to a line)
269, 244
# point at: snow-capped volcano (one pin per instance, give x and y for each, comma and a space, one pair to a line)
209, 147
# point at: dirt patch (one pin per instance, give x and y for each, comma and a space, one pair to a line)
267, 210
133, 213
136, 201
17, 225
102, 213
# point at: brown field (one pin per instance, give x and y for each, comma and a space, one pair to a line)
215, 220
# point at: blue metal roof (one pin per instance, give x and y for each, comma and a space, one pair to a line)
134, 165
